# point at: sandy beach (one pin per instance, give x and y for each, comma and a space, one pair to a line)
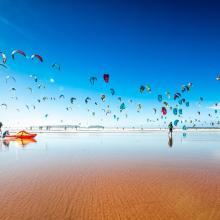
108, 176
125, 193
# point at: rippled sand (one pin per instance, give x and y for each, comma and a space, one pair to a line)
86, 181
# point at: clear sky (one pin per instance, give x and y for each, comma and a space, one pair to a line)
162, 43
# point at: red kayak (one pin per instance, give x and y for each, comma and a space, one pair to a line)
22, 135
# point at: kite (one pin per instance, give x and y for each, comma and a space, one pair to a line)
44, 98
164, 111
92, 80
41, 86
61, 97
103, 97
168, 94
9, 77
112, 91
30, 89
4, 58
56, 66
14, 97
185, 88
180, 111
106, 77
148, 88
87, 100
122, 106
176, 122
5, 105
108, 111
184, 127
180, 101
34, 77
190, 84
142, 88
160, 98
177, 95
139, 106
166, 104
69, 108
72, 100
175, 111
37, 56
13, 89
17, 51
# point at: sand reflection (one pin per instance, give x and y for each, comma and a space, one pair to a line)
20, 142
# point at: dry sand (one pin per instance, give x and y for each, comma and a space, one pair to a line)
116, 191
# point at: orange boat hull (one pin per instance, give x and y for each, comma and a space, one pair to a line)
30, 136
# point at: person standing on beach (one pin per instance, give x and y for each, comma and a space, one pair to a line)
170, 127
1, 129
170, 141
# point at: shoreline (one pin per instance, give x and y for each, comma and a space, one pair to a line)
110, 130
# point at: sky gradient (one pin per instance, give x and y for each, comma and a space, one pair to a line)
162, 43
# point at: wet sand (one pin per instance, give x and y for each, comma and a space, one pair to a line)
92, 183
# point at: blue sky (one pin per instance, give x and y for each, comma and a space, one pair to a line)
161, 43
